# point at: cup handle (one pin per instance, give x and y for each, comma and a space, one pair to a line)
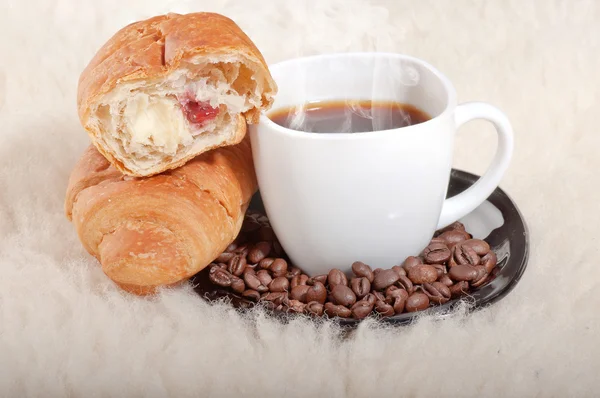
462, 204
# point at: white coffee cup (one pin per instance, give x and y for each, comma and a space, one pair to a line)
376, 197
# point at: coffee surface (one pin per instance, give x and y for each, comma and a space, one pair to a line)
347, 116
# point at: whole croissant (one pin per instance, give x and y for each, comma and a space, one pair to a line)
160, 230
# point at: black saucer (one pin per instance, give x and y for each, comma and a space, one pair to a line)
498, 221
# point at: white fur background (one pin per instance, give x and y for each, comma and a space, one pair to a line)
66, 331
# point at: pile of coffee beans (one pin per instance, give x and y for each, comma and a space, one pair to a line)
256, 268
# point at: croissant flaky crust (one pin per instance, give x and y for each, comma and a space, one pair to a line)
163, 90
160, 230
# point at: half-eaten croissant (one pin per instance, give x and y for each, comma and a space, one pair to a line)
164, 90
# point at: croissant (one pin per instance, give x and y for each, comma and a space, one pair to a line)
160, 230
163, 90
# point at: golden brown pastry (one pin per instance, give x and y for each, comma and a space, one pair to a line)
163, 90
160, 230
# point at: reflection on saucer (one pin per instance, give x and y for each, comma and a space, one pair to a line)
483, 220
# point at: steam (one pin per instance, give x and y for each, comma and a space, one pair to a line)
306, 27
391, 82
297, 120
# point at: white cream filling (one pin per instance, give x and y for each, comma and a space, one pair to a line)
155, 121
158, 121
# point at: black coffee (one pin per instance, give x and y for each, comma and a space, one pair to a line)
348, 116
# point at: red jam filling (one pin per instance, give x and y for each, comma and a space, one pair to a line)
199, 112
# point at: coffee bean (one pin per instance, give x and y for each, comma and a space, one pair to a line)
380, 297
385, 278
361, 309
237, 284
481, 278
242, 251
454, 236
440, 268
463, 273
436, 253
489, 261
276, 297
445, 279
252, 281
384, 309
278, 268
423, 273
251, 294
416, 302
265, 263
411, 262
224, 257
480, 247
457, 225
400, 296
369, 298
336, 277
250, 225
266, 234
292, 272
219, 276
250, 268
231, 247
262, 289
317, 292
452, 262
337, 310
453, 257
277, 249
397, 293
298, 292
295, 306
459, 289
360, 286
264, 277
437, 240
437, 292
301, 279
236, 265
465, 255
390, 289
362, 270
314, 308
319, 278
343, 295
279, 284
259, 252
406, 284
399, 270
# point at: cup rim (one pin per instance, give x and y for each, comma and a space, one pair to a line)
451, 100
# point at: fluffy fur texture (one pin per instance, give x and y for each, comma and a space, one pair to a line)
65, 330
